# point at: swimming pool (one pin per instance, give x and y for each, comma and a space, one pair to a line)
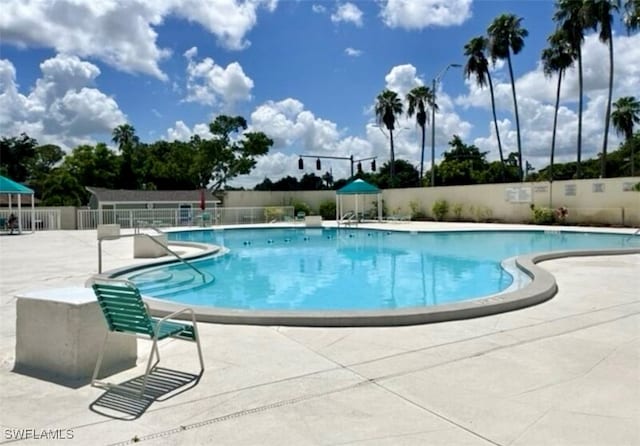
355, 270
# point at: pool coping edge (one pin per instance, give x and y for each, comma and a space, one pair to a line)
541, 288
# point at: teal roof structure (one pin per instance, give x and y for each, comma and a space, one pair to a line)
8, 186
358, 187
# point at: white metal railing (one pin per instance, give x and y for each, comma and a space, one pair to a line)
134, 218
43, 219
347, 218
130, 218
637, 232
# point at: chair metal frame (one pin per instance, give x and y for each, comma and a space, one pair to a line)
152, 336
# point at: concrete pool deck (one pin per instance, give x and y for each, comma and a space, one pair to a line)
566, 371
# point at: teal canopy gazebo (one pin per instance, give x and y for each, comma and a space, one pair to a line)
357, 187
11, 188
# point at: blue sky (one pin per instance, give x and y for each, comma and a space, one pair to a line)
304, 72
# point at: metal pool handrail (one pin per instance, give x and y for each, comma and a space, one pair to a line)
166, 248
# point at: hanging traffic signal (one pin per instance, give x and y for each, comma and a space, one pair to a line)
318, 165
300, 164
373, 165
359, 167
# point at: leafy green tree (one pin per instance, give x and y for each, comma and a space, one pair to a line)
463, 164
419, 99
388, 108
477, 65
631, 16
44, 160
624, 117
93, 166
231, 152
507, 36
627, 156
286, 183
311, 181
340, 183
569, 15
266, 184
61, 188
556, 59
599, 14
405, 175
17, 154
167, 165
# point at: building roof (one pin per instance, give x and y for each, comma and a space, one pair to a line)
358, 187
149, 196
8, 186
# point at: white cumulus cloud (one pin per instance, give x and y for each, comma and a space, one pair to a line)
348, 13
318, 9
181, 131
62, 108
122, 33
419, 14
352, 52
211, 84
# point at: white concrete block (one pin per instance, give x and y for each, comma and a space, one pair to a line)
144, 247
313, 220
108, 232
59, 333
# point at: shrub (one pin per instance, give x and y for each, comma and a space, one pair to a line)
440, 209
457, 211
375, 208
542, 216
328, 210
483, 213
416, 212
273, 213
301, 206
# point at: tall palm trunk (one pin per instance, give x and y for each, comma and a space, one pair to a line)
633, 155
515, 106
603, 166
555, 126
422, 154
392, 168
580, 88
495, 123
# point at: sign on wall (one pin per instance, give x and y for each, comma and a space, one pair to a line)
517, 194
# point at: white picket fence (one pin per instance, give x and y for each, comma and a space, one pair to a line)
134, 218
43, 219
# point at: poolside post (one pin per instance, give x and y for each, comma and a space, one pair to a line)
434, 85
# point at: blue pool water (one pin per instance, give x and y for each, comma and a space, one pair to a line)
351, 269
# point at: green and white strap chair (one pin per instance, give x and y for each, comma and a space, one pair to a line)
126, 312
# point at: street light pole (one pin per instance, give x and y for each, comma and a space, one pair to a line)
434, 85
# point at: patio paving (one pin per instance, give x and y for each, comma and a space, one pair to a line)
565, 372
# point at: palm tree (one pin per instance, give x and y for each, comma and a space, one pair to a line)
421, 97
388, 107
556, 59
125, 136
632, 15
599, 13
625, 115
478, 65
569, 16
506, 35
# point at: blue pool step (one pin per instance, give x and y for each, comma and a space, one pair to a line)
165, 283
